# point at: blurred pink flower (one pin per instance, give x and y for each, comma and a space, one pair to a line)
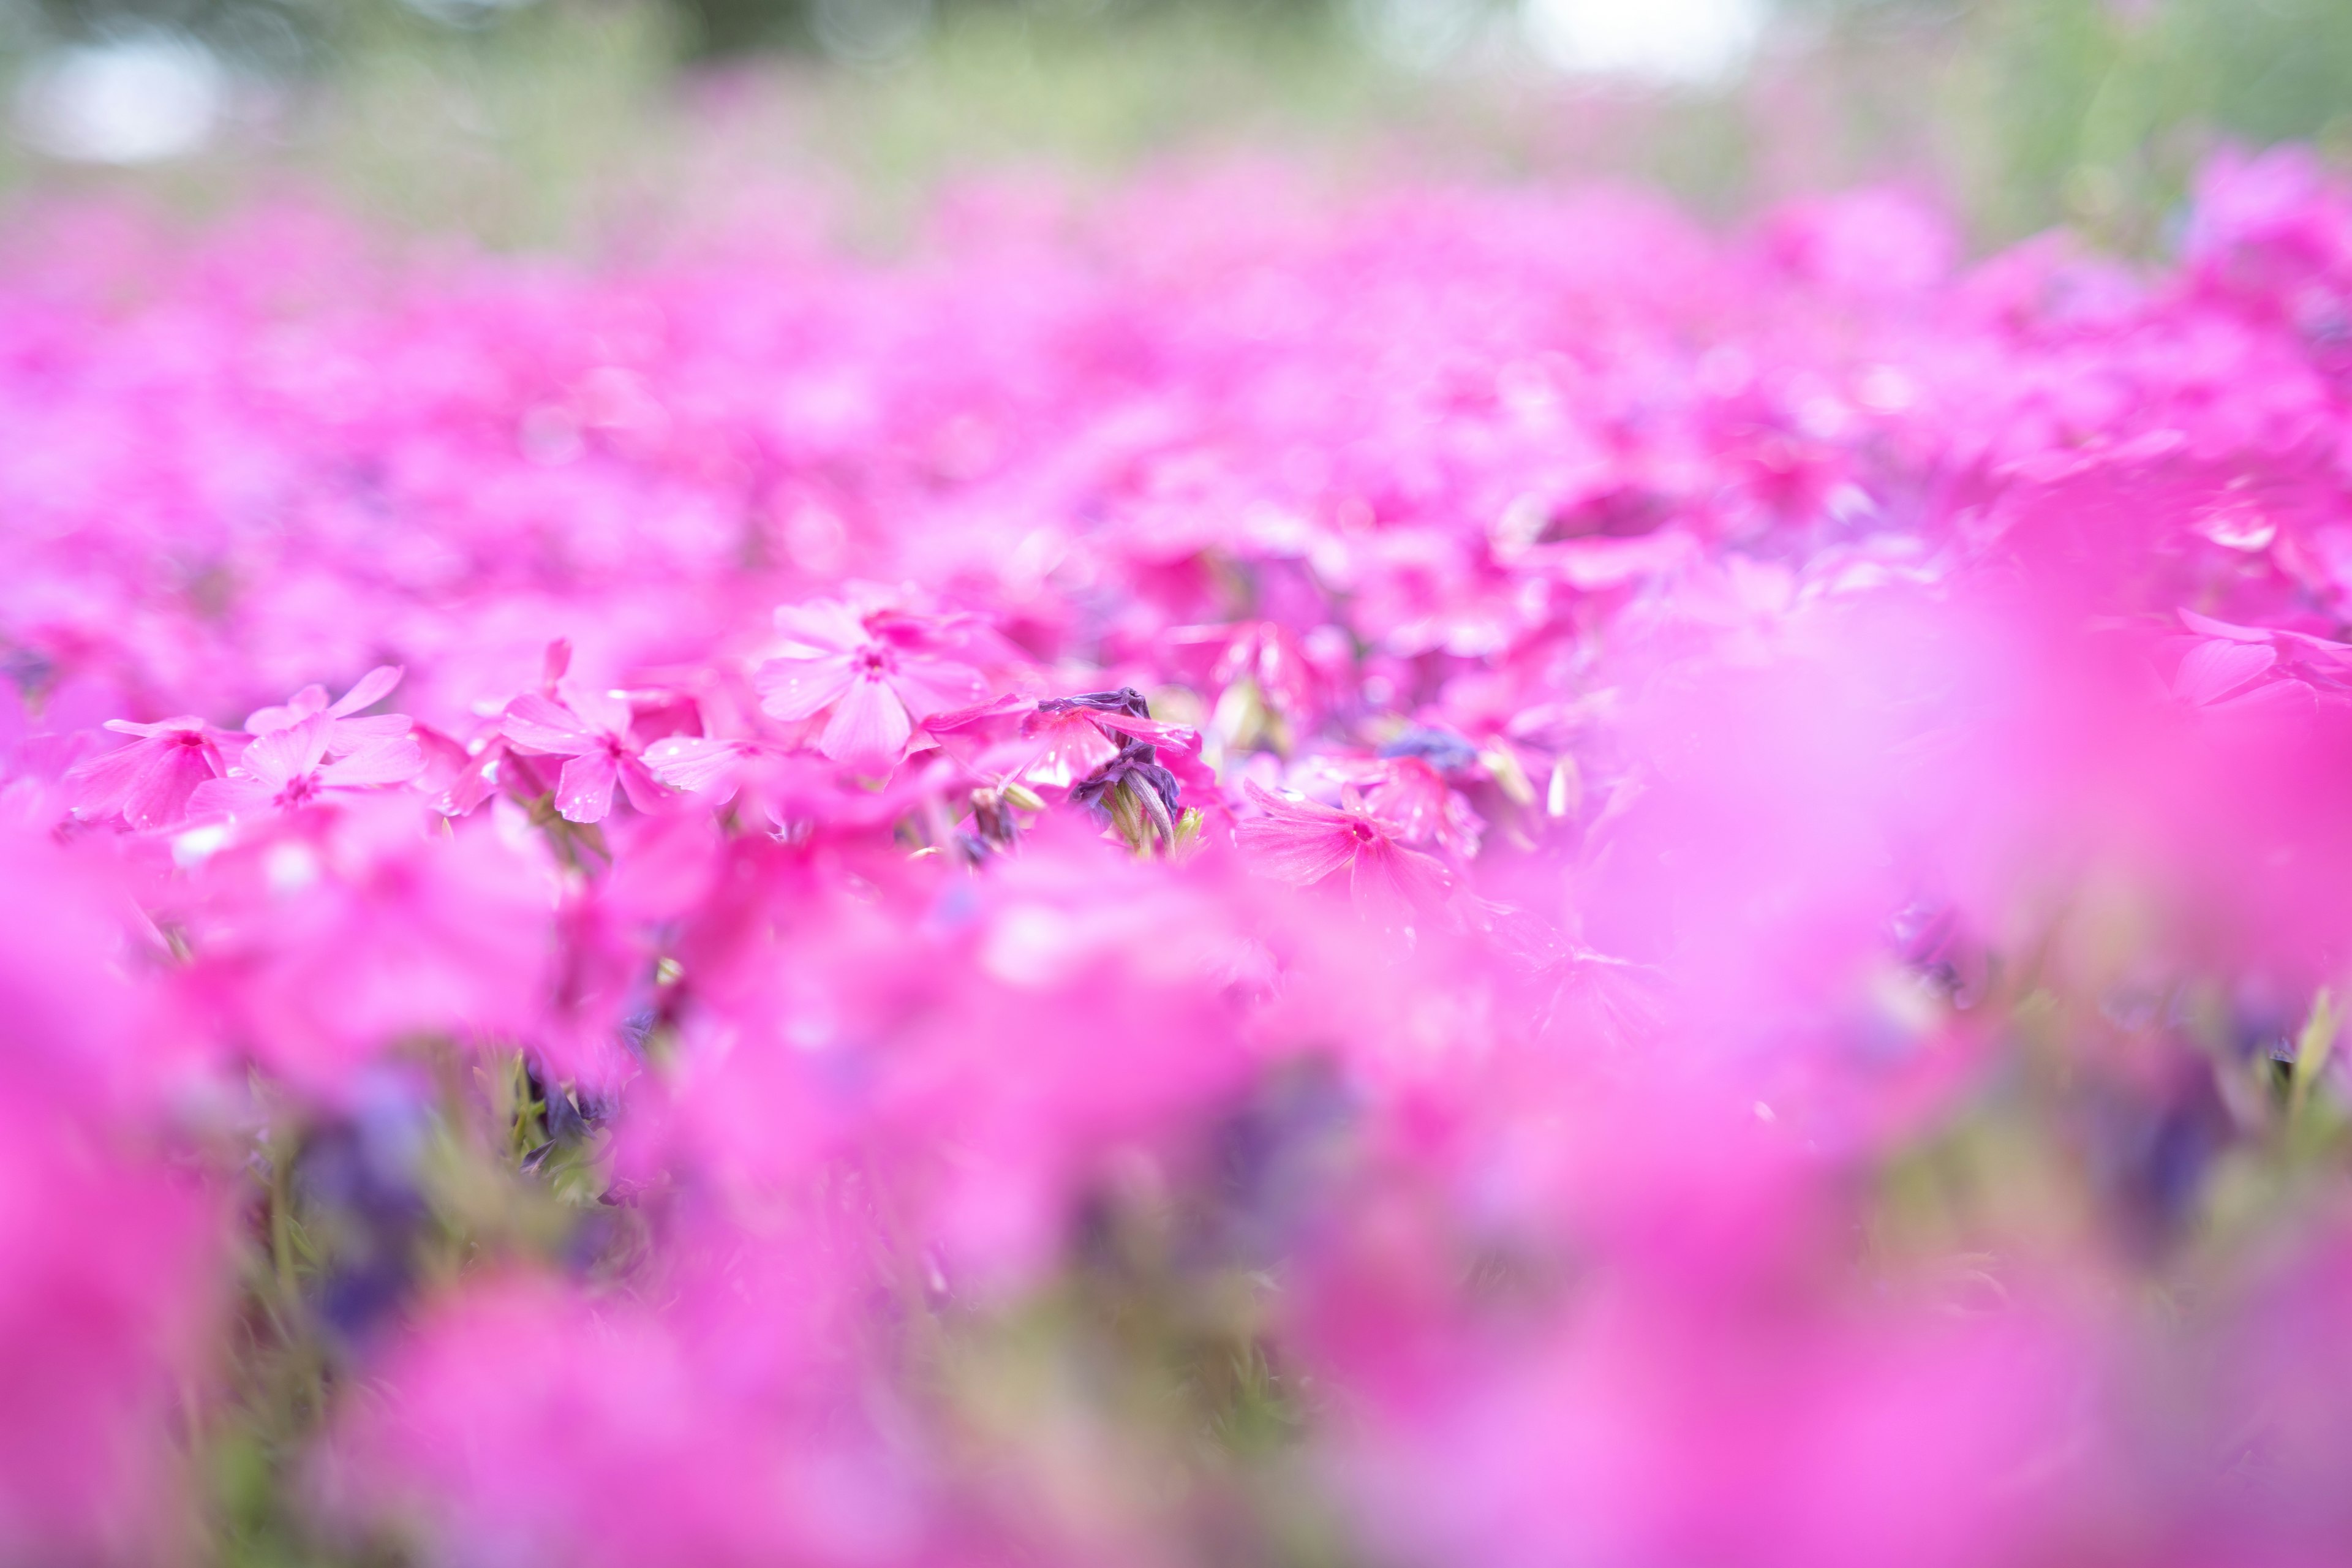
870, 690
148, 782
1302, 842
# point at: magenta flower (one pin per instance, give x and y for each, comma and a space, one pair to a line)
1302, 842
148, 782
870, 690
288, 769
1080, 735
345, 734
2221, 676
593, 731
1408, 792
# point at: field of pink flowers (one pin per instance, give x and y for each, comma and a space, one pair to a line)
1223, 877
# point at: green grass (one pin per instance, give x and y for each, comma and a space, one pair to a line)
573, 121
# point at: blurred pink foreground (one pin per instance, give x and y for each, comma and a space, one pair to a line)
1461, 879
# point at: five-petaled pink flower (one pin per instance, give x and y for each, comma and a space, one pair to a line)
288, 769
874, 688
148, 782
1302, 842
594, 730
345, 733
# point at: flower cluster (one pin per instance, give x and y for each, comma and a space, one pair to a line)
1470, 877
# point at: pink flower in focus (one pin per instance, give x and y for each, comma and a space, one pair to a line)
870, 690
593, 730
286, 770
345, 733
1302, 842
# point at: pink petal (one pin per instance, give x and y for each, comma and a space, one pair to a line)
298, 707
2215, 669
371, 688
793, 688
470, 781
869, 728
1283, 852
217, 799
584, 791
104, 782
392, 761
158, 795
283, 754
696, 762
1304, 812
543, 724
348, 735
1293, 850
602, 713
1421, 880
1152, 732
2229, 631
928, 686
638, 782
2277, 696
821, 626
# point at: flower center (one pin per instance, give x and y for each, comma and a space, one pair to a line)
300, 790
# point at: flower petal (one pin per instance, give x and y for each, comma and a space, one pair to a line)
584, 792
348, 735
283, 754
637, 780
216, 798
390, 762
2215, 669
370, 689
928, 686
542, 724
312, 699
820, 626
793, 688
696, 762
868, 729
1296, 848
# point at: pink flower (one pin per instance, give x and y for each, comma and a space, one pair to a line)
148, 782
1410, 793
111, 1267
870, 689
1301, 842
594, 730
367, 926
345, 733
2219, 676
1080, 735
1293, 675
286, 770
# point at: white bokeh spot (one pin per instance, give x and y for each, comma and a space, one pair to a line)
1669, 41
136, 99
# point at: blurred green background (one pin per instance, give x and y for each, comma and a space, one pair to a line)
535, 123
